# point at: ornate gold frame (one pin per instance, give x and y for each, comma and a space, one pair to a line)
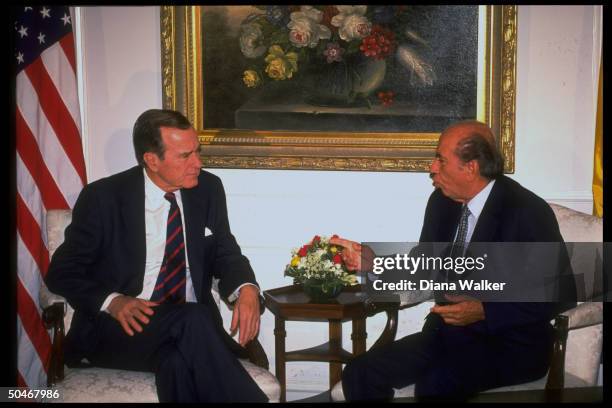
231, 148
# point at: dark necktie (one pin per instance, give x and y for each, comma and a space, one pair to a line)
170, 285
457, 250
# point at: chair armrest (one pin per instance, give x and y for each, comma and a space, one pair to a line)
53, 318
585, 314
48, 298
257, 355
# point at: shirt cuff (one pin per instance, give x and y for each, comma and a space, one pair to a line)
232, 298
108, 301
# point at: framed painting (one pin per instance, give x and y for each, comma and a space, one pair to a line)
338, 87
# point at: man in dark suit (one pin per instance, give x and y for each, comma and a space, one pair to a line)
466, 345
137, 265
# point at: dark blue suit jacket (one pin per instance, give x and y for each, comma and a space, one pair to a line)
511, 214
104, 250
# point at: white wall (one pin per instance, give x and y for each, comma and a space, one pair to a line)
272, 211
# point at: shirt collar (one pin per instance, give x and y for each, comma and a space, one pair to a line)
476, 204
153, 194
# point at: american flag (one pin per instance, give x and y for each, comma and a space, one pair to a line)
49, 161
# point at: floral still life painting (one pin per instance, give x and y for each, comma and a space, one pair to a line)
343, 50
319, 267
362, 68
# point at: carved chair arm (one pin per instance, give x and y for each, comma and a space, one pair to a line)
390, 331
584, 315
53, 318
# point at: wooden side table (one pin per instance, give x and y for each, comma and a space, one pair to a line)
291, 303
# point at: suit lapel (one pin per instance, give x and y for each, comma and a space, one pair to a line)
448, 227
195, 208
133, 220
490, 217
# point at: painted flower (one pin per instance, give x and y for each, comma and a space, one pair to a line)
379, 44
251, 78
333, 53
386, 98
351, 22
305, 28
274, 37
281, 66
328, 13
250, 40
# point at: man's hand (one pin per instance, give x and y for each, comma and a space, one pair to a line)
461, 313
126, 310
246, 314
352, 254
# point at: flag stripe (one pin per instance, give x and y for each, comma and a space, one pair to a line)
33, 325
50, 166
26, 187
29, 273
20, 381
28, 150
54, 156
28, 357
30, 233
67, 43
56, 63
56, 113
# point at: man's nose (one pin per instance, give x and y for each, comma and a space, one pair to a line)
433, 167
196, 160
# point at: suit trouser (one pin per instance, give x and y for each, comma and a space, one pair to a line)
184, 349
466, 365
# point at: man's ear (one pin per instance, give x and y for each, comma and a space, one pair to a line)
151, 160
473, 168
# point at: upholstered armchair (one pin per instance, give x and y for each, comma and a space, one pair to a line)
93, 384
579, 331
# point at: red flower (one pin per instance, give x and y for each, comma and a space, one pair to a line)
335, 236
337, 259
303, 250
379, 44
386, 98
328, 13
316, 239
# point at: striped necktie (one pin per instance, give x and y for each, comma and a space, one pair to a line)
170, 284
458, 248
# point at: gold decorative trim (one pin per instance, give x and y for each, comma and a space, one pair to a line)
425, 140
232, 148
167, 52
317, 163
508, 101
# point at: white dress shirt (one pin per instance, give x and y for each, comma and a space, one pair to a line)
475, 205
156, 217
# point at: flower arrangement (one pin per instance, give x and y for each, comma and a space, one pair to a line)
284, 41
320, 261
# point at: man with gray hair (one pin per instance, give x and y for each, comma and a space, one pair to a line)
137, 265
466, 345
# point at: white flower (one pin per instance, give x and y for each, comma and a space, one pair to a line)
305, 28
351, 22
250, 40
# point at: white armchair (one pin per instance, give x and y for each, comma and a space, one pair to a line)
93, 384
579, 331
